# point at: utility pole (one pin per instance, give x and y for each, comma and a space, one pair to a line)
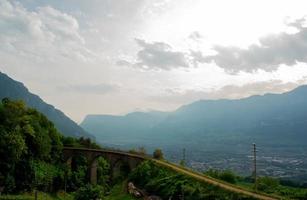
65, 184
255, 165
183, 155
182, 164
35, 195
182, 161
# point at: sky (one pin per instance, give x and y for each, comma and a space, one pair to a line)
119, 56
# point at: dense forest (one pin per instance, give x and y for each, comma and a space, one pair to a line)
30, 155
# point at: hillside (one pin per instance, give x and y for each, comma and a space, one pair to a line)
30, 160
17, 91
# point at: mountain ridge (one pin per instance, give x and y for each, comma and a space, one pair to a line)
200, 101
253, 117
16, 90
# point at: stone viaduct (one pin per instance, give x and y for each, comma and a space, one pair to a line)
116, 159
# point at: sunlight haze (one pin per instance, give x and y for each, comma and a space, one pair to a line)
106, 57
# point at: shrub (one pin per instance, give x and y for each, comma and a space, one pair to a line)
158, 154
226, 175
267, 184
140, 150
44, 174
89, 192
168, 184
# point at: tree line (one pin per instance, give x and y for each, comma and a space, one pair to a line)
31, 154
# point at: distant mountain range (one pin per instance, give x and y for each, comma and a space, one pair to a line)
17, 91
270, 120
219, 133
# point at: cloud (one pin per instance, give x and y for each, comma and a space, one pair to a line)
99, 89
44, 33
272, 51
157, 55
178, 96
195, 36
197, 57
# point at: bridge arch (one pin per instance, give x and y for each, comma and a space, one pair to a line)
116, 159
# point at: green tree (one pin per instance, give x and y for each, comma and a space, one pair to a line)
267, 184
142, 150
27, 136
44, 174
78, 173
182, 163
90, 192
103, 171
226, 175
158, 154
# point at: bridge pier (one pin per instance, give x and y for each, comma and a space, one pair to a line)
118, 160
93, 172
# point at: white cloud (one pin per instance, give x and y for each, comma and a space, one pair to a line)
272, 51
45, 33
72, 45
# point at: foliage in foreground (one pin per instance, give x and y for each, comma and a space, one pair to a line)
30, 153
118, 192
40, 196
167, 183
158, 154
29, 142
30, 149
265, 184
90, 192
226, 175
272, 186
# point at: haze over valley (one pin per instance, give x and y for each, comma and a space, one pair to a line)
214, 133
219, 133
153, 99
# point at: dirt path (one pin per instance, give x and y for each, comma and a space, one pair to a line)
213, 182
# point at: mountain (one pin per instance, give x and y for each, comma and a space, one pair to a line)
129, 128
273, 119
219, 133
17, 91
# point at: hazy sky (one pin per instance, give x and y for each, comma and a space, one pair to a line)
118, 56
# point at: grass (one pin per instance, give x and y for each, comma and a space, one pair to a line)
41, 196
118, 193
286, 192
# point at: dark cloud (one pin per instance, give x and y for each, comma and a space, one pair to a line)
157, 55
99, 89
273, 50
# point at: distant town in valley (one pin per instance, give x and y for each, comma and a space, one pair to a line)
153, 100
